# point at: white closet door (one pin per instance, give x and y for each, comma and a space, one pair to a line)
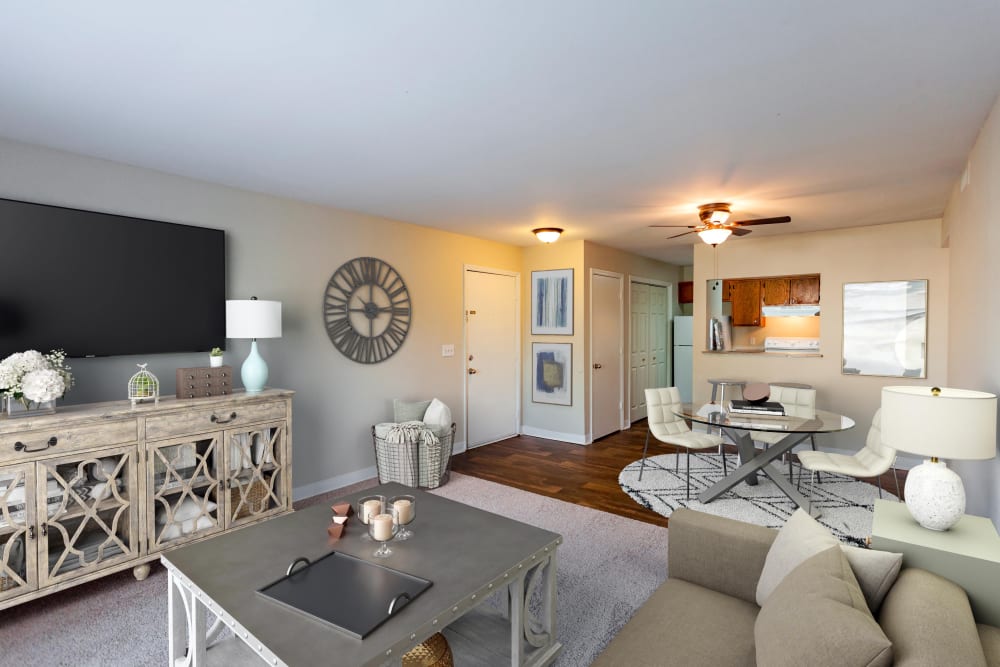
639, 351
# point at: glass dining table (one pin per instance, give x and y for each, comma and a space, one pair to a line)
798, 424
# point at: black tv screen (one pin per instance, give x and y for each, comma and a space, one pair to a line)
96, 284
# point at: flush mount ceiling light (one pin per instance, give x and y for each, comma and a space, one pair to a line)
547, 234
716, 227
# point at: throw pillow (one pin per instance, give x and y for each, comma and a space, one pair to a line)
438, 416
800, 538
876, 572
405, 411
818, 616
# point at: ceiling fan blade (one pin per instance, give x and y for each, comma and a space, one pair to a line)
677, 236
763, 221
739, 231
685, 226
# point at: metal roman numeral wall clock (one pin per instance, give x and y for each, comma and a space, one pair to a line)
366, 309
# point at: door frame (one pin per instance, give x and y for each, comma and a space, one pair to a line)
632, 278
621, 350
518, 352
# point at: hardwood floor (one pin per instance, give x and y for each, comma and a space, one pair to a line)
585, 475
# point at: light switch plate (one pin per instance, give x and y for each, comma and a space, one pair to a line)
448, 350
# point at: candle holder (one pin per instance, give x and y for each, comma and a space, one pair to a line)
368, 507
382, 528
406, 512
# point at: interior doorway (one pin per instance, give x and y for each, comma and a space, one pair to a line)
492, 355
606, 353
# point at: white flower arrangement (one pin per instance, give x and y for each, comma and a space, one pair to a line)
33, 377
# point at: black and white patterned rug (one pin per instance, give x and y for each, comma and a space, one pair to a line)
846, 504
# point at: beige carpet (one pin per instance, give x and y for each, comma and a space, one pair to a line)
607, 567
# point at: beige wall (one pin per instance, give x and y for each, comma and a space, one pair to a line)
908, 250
285, 250
972, 231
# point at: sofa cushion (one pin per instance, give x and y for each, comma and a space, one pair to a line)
798, 540
875, 570
990, 638
930, 622
818, 616
803, 537
685, 624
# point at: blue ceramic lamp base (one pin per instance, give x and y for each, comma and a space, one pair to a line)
254, 371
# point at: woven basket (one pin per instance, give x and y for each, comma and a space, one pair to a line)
434, 652
256, 499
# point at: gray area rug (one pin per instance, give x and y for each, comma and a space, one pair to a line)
607, 567
846, 503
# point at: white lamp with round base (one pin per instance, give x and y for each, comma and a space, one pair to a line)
931, 421
253, 319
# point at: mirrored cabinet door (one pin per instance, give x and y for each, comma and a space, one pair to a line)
88, 516
18, 573
256, 471
183, 490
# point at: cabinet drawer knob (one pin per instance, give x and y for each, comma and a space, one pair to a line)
21, 447
219, 420
31, 532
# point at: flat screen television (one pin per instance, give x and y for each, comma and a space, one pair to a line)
96, 284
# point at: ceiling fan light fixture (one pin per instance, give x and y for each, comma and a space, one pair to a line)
719, 217
547, 234
714, 235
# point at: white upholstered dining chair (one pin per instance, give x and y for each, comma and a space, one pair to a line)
664, 425
874, 459
795, 400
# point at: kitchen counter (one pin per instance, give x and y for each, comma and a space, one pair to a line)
766, 353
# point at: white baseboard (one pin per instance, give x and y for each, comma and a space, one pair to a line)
322, 486
459, 447
575, 438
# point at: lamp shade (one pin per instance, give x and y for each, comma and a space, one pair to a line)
954, 424
714, 235
253, 319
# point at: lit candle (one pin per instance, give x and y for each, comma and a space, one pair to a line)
382, 527
404, 510
369, 509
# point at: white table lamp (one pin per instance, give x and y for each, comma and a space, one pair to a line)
950, 423
253, 319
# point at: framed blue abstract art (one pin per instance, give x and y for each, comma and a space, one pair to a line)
552, 373
552, 302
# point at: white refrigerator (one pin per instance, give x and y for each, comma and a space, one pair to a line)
683, 355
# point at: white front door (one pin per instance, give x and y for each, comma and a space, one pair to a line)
606, 374
638, 350
492, 345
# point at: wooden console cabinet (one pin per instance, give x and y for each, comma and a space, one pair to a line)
98, 488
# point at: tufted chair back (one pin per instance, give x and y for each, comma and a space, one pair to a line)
792, 398
660, 406
876, 454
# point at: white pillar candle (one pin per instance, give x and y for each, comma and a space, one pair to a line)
369, 509
404, 510
382, 527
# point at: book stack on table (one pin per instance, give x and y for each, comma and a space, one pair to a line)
768, 408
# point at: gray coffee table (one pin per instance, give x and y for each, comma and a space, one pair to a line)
467, 553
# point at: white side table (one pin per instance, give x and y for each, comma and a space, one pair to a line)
968, 553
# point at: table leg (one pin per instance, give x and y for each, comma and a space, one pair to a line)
533, 637
753, 464
789, 490
186, 638
744, 444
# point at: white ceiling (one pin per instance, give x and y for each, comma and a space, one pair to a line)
490, 118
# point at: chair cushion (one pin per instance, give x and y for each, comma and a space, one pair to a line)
990, 637
684, 624
818, 616
930, 622
691, 440
865, 463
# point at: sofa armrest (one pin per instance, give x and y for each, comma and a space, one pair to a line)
717, 553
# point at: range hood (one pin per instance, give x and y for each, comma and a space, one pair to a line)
797, 310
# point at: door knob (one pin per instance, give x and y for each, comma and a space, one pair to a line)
472, 371
597, 365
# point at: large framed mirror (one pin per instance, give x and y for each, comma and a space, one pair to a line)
885, 328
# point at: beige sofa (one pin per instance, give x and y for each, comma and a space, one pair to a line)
705, 613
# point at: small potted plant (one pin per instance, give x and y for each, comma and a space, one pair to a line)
215, 357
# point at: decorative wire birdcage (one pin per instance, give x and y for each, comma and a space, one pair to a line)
143, 386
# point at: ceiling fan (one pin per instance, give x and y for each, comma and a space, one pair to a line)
716, 227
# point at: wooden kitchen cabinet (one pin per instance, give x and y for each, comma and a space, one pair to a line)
746, 300
727, 291
803, 289
776, 291
685, 292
